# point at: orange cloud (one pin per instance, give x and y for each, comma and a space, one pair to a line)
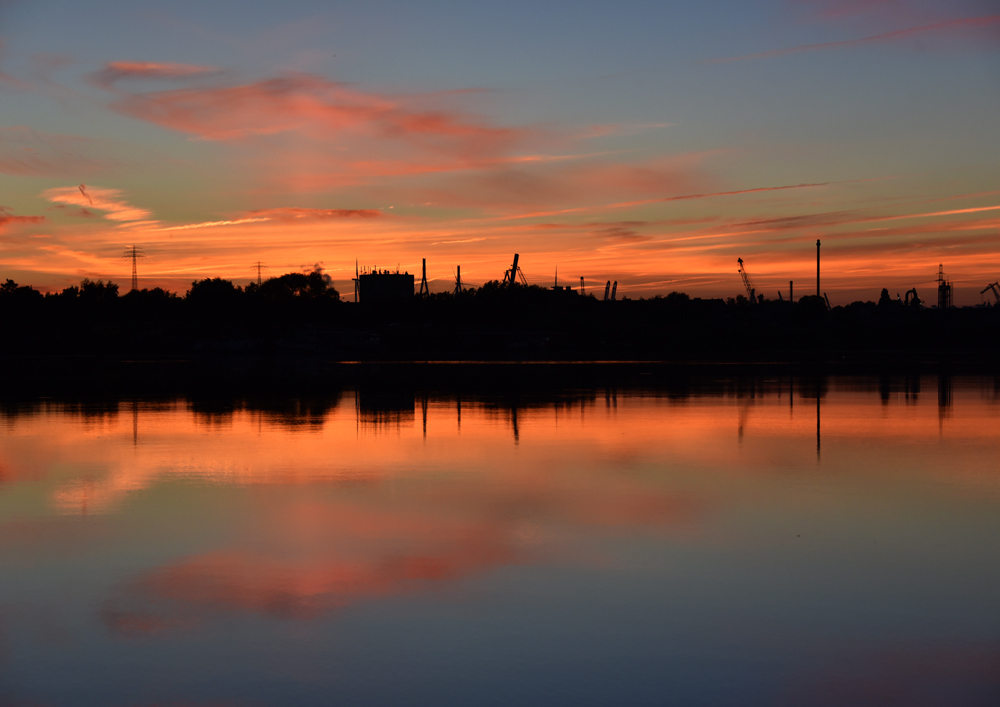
106, 200
298, 214
8, 219
969, 22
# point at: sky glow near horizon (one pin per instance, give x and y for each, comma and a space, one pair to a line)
648, 143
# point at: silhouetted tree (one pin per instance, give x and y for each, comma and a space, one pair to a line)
97, 291
213, 292
315, 285
13, 294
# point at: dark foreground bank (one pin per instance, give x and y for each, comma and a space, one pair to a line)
488, 324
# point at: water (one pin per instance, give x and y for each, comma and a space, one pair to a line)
728, 544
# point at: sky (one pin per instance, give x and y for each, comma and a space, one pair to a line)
648, 143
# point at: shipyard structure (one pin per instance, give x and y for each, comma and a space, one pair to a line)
383, 287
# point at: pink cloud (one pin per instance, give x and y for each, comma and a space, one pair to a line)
966, 23
315, 108
122, 70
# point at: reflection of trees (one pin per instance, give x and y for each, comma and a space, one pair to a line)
291, 412
392, 403
381, 408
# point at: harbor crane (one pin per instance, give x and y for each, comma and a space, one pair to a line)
996, 292
748, 283
511, 277
610, 291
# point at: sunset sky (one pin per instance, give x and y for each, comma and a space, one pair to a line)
652, 143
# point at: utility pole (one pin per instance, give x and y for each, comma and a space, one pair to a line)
458, 281
817, 267
582, 291
134, 254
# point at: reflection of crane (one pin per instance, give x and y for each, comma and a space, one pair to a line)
511, 277
747, 282
996, 293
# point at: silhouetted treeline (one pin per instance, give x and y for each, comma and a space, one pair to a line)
302, 314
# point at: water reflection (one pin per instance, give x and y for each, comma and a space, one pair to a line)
520, 543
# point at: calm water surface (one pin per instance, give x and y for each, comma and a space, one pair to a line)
732, 545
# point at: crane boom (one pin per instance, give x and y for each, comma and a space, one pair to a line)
510, 277
747, 282
996, 292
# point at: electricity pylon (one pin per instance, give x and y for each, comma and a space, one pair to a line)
260, 268
134, 254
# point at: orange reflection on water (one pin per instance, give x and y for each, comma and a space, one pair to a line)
130, 448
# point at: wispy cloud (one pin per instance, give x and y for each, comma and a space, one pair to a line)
213, 224
123, 70
25, 152
965, 23
9, 219
280, 214
107, 200
610, 129
300, 214
311, 106
684, 197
